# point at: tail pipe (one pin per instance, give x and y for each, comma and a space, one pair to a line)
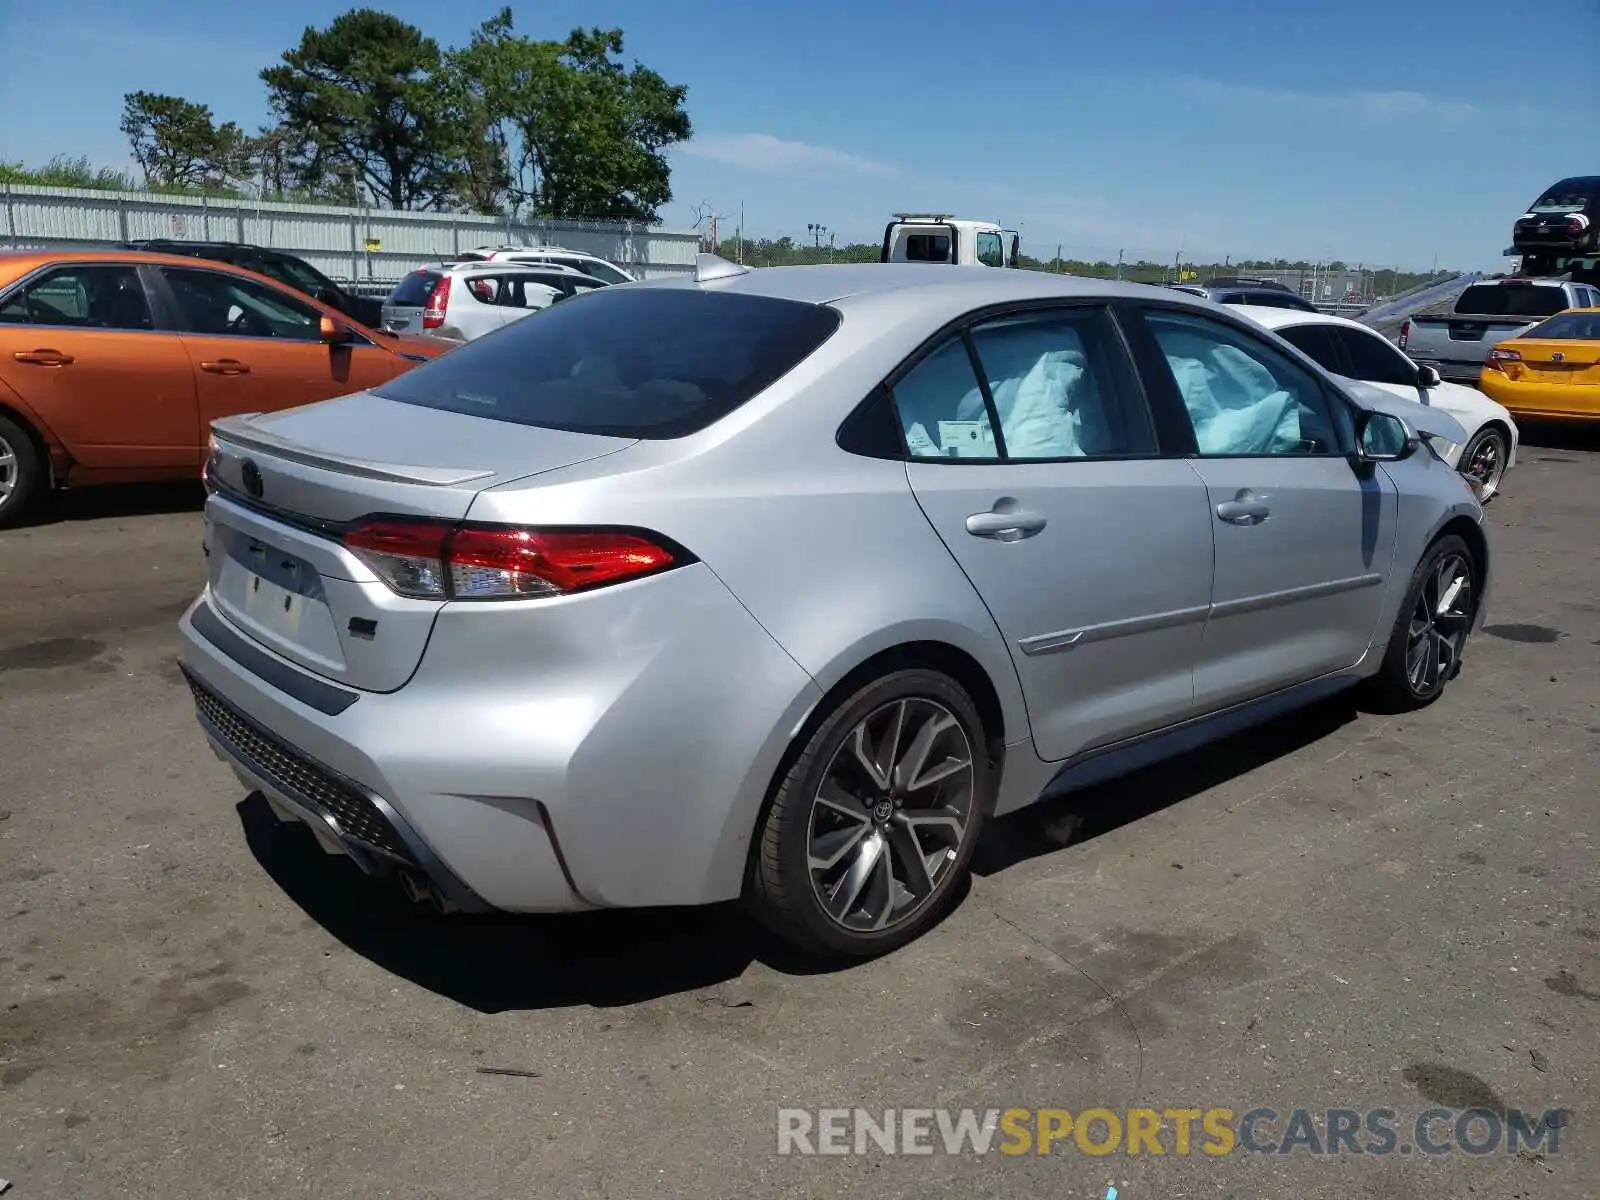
419, 889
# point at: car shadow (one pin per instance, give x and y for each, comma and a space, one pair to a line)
505, 962
1558, 435
113, 500
1058, 822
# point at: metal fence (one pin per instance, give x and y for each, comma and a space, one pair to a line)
368, 247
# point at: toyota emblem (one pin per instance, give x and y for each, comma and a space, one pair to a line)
252, 478
1558, 357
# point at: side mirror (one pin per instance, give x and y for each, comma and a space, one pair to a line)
333, 332
1384, 437
1428, 377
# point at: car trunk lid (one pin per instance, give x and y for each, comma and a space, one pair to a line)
288, 484
1555, 360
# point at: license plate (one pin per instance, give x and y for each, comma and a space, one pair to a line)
273, 607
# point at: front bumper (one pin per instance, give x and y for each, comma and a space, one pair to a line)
606, 750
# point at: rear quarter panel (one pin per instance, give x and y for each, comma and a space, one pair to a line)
828, 550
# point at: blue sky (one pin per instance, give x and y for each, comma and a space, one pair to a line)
1391, 133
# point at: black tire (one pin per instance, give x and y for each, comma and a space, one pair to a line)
1492, 446
21, 467
780, 890
1394, 689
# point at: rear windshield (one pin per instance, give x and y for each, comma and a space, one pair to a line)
413, 291
1576, 326
1570, 195
625, 362
1502, 300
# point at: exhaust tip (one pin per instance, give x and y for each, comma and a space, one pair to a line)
419, 889
416, 889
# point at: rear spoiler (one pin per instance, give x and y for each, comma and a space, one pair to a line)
240, 431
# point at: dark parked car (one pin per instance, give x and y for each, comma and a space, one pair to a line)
1267, 293
286, 268
1564, 220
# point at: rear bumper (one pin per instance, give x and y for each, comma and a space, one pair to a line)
1542, 401
610, 750
344, 816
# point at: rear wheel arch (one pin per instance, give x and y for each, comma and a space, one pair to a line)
41, 445
943, 657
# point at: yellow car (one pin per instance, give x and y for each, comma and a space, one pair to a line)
1551, 372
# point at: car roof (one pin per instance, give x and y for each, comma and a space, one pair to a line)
24, 261
1277, 318
957, 287
502, 267
562, 250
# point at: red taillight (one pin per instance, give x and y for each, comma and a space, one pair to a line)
438, 299
429, 560
1405, 332
1498, 357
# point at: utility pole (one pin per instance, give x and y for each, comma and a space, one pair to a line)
1119, 264
711, 220
741, 233
816, 230
1059, 263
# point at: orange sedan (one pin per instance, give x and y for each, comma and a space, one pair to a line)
113, 364
1551, 372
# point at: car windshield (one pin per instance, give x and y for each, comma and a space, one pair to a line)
641, 363
1513, 300
1569, 326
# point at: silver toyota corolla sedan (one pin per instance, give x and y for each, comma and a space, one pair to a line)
779, 583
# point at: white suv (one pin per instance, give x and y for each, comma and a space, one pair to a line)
577, 260
466, 300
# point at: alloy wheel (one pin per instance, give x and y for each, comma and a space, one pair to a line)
1438, 626
1485, 468
888, 821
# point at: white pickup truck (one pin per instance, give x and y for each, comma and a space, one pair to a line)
1485, 314
941, 238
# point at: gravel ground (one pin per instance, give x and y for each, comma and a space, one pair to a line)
1339, 910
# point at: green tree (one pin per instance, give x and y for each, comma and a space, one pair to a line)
176, 142
62, 171
583, 136
364, 99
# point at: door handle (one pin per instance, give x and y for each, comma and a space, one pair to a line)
1005, 524
43, 358
1247, 508
226, 366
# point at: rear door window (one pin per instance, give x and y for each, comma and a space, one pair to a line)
644, 363
1372, 358
1313, 341
97, 297
413, 291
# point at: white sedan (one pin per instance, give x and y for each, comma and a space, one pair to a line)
1356, 351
